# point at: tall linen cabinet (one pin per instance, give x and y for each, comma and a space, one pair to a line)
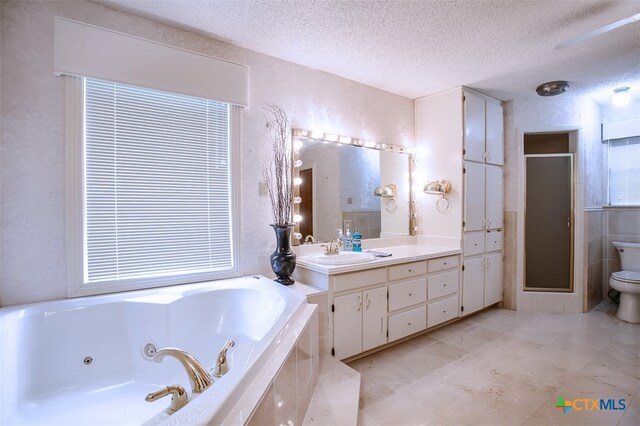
459, 137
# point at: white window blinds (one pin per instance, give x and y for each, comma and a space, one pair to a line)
157, 184
624, 172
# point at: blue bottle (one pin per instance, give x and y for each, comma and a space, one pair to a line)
357, 241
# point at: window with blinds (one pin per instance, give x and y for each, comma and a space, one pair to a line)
157, 190
624, 172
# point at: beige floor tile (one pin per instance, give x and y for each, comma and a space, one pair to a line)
631, 416
330, 413
505, 367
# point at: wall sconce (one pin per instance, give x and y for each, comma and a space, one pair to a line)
387, 191
441, 188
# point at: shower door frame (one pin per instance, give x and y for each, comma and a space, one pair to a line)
547, 301
572, 199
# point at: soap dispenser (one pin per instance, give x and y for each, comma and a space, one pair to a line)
348, 240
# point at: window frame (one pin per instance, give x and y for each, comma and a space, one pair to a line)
609, 201
75, 183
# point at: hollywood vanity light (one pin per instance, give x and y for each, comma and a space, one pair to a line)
302, 135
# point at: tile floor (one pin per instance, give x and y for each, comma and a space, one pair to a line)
506, 367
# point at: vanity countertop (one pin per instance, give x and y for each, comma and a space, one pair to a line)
399, 254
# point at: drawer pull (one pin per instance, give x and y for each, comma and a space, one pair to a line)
444, 311
410, 294
444, 263
409, 324
410, 270
444, 285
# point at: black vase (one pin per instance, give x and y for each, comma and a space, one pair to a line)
283, 260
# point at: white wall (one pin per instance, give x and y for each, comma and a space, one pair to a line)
32, 173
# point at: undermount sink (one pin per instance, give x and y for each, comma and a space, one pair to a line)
342, 258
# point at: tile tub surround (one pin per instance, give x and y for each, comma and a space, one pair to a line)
506, 367
280, 393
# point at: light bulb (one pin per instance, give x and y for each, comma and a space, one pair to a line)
297, 218
344, 139
297, 200
297, 163
297, 236
621, 96
297, 181
297, 145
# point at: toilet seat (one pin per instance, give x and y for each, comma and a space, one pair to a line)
632, 277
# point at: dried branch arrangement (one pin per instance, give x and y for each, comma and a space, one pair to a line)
278, 169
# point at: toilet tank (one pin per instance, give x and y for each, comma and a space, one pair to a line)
629, 255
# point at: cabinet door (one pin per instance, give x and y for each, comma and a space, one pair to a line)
347, 325
493, 279
473, 285
493, 198
474, 127
374, 318
495, 132
474, 198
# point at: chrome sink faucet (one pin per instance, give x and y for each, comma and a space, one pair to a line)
198, 376
333, 247
222, 366
309, 239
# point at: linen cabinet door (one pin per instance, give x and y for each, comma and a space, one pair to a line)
474, 127
473, 285
347, 325
493, 198
495, 134
374, 318
493, 279
474, 198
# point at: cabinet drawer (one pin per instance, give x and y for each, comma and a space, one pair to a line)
473, 243
407, 323
442, 284
406, 294
442, 311
354, 280
443, 263
407, 270
493, 241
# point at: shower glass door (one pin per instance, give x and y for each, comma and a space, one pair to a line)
549, 222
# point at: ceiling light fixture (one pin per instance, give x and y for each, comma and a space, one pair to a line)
552, 88
621, 96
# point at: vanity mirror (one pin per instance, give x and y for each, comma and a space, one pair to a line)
342, 181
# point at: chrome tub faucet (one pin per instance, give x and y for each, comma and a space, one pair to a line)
178, 397
222, 366
198, 375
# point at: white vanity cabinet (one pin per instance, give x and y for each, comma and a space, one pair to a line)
482, 270
364, 311
386, 301
407, 299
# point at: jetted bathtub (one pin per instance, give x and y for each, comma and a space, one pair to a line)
85, 361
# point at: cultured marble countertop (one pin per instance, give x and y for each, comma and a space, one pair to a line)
399, 254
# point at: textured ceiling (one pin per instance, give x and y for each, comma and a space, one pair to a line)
415, 48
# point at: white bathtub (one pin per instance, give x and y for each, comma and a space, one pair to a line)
45, 379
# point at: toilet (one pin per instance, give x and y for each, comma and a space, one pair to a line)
627, 281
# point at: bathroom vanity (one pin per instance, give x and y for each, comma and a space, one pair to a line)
372, 304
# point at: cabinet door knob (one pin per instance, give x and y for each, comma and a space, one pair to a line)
410, 294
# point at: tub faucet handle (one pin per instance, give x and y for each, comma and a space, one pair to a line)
222, 366
178, 397
198, 376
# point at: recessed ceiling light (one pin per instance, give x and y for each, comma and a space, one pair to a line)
621, 96
552, 88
